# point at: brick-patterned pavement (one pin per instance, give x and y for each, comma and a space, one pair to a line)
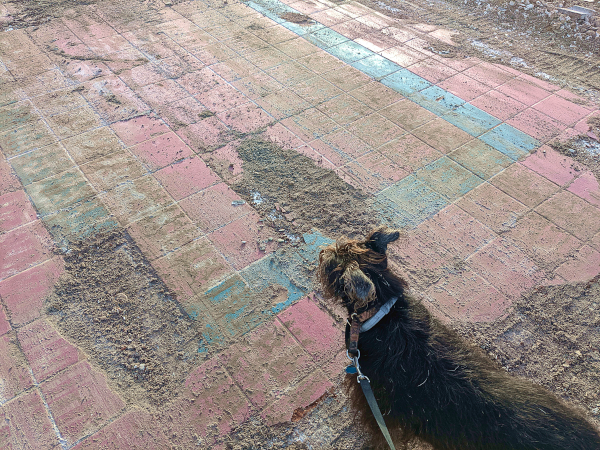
112, 117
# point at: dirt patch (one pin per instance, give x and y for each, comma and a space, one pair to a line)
551, 337
298, 18
25, 13
113, 305
582, 149
293, 194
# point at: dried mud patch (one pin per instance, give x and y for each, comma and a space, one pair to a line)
583, 149
113, 305
551, 337
294, 194
25, 13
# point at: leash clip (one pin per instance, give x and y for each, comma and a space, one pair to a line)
354, 360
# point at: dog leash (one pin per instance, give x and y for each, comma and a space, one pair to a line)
364, 322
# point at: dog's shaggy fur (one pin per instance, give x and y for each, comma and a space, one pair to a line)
428, 382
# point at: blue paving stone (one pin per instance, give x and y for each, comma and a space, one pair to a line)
405, 82
264, 10
412, 201
376, 66
436, 100
349, 51
471, 119
510, 141
448, 178
325, 38
301, 29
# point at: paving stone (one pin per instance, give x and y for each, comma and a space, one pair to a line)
436, 100
8, 180
510, 141
80, 401
192, 269
523, 91
524, 185
109, 171
556, 167
266, 362
139, 129
498, 105
246, 118
109, 91
316, 91
204, 134
537, 124
492, 207
409, 153
26, 423
448, 178
162, 93
344, 109
572, 213
375, 130
15, 210
58, 102
583, 266
23, 247
26, 137
161, 151
74, 122
314, 329
489, 74
59, 191
371, 172
376, 96
92, 145
562, 110
283, 137
24, 294
13, 368
244, 240
466, 296
346, 78
134, 430
471, 119
480, 158
4, 323
441, 135
210, 408
46, 351
214, 207
506, 267
41, 163
310, 124
587, 187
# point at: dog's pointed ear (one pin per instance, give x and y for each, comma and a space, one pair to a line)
380, 237
357, 286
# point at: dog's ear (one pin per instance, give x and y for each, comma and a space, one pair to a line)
380, 237
357, 286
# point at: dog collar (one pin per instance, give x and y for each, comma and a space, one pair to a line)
365, 321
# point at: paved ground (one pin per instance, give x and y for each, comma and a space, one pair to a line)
126, 120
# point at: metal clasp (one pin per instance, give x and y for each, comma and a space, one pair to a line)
354, 360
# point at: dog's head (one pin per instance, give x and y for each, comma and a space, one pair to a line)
354, 271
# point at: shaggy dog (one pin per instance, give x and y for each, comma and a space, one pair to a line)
427, 381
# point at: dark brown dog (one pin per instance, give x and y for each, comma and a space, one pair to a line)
428, 382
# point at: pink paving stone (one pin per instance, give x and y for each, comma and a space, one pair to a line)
246, 117
14, 372
192, 269
244, 240
563, 110
25, 424
135, 430
556, 167
584, 265
214, 207
319, 159
541, 83
267, 361
211, 406
203, 134
583, 126
162, 93
498, 105
8, 180
570, 212
283, 137
464, 87
334, 369
432, 70
15, 210
186, 177
80, 401
596, 241
587, 187
522, 91
468, 297
23, 248
403, 56
314, 328
506, 266
489, 74
161, 151
543, 240
537, 124
307, 392
371, 173
47, 351
457, 232
4, 324
227, 161
221, 98
24, 293
139, 129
